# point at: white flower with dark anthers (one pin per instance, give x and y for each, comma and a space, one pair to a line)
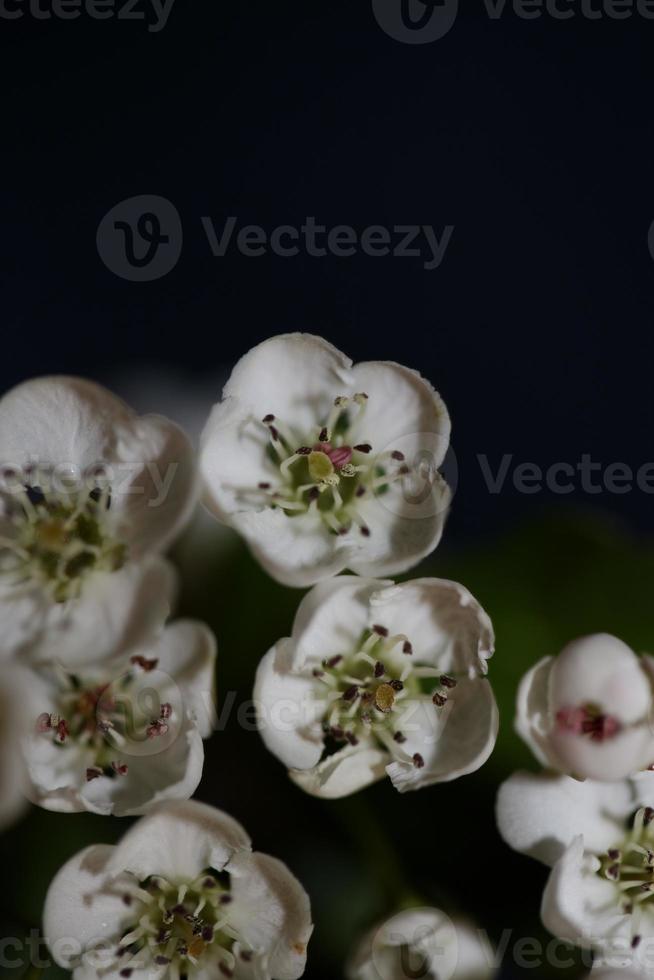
119, 738
600, 893
322, 465
424, 943
90, 495
377, 678
181, 895
588, 711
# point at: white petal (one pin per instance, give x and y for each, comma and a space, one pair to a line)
404, 529
297, 551
346, 772
15, 694
186, 652
445, 624
615, 758
172, 774
533, 719
452, 741
271, 912
288, 714
541, 814
601, 670
332, 617
63, 421
77, 909
115, 613
580, 906
179, 839
158, 498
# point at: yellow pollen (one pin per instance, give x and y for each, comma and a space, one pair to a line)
53, 535
384, 697
197, 947
320, 466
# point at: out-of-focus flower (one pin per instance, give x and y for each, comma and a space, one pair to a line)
600, 972
588, 712
322, 465
600, 893
119, 738
380, 678
423, 943
182, 894
14, 689
90, 495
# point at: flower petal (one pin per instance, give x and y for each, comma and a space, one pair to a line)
271, 912
179, 840
540, 815
451, 741
288, 713
77, 910
345, 772
533, 721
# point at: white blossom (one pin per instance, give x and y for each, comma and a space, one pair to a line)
322, 465
90, 495
600, 893
588, 711
182, 894
378, 678
422, 942
119, 737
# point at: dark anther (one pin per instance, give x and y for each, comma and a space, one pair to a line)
304, 451
35, 495
225, 970
614, 854
360, 491
161, 960
365, 531
314, 493
648, 816
207, 934
267, 419
323, 437
635, 942
418, 761
350, 693
439, 699
396, 454
447, 681
407, 648
332, 661
397, 685
274, 433
404, 471
363, 447
225, 899
352, 739
246, 956
399, 738
380, 630
126, 972
318, 673
95, 494
264, 486
380, 670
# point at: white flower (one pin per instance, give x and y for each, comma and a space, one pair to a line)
380, 678
120, 737
90, 495
588, 712
422, 943
14, 688
600, 893
322, 465
182, 894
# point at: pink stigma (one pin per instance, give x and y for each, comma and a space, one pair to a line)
583, 721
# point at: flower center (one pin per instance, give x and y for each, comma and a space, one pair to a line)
590, 720
330, 471
366, 692
102, 719
631, 867
179, 926
59, 539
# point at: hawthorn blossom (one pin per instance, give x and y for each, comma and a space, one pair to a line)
181, 895
120, 737
588, 712
422, 943
321, 465
380, 678
598, 838
90, 495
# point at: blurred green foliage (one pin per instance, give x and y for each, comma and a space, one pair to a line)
569, 574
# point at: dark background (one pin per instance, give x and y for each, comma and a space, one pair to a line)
534, 139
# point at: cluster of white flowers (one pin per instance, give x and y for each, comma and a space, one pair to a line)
321, 466
587, 716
